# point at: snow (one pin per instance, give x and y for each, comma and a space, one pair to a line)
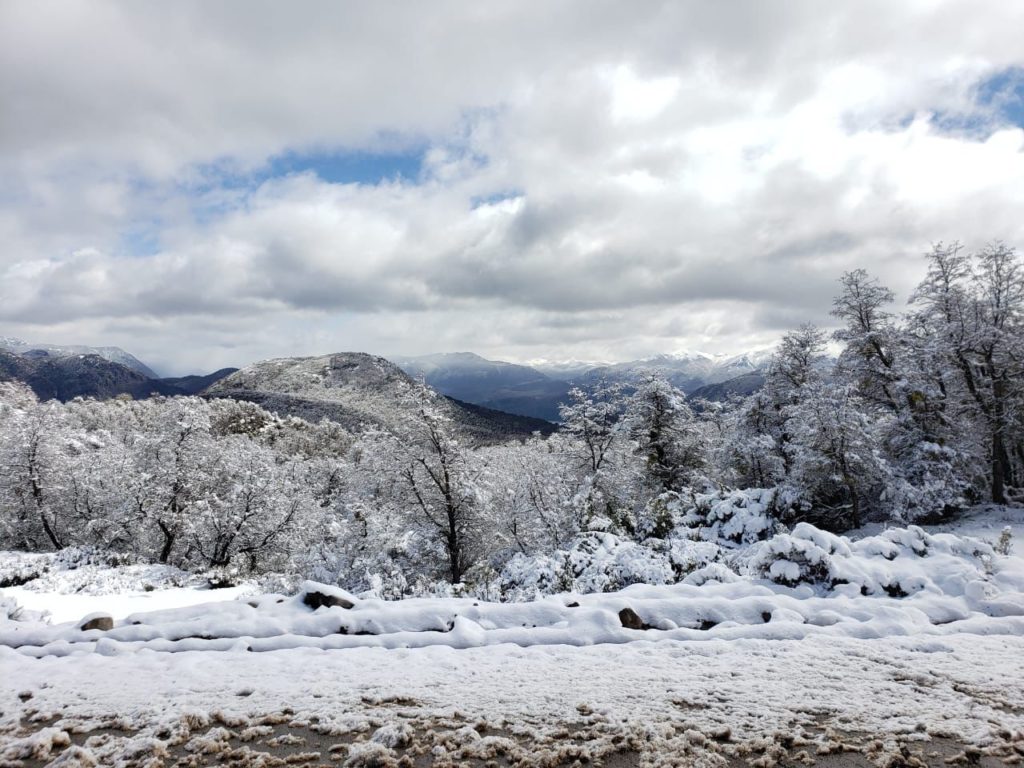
799, 584
904, 636
73, 607
963, 685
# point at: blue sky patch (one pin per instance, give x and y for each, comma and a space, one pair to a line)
141, 238
998, 101
369, 168
1003, 94
495, 198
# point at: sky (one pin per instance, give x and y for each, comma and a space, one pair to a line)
209, 184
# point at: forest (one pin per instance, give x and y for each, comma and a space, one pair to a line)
898, 417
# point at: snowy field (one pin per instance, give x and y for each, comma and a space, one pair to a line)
902, 647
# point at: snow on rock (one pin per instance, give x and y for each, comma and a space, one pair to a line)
100, 621
322, 596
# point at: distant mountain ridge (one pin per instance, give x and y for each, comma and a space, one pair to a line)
741, 386
689, 371
538, 390
490, 397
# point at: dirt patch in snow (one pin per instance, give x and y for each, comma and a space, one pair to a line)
397, 734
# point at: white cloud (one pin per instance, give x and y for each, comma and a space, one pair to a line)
637, 99
601, 180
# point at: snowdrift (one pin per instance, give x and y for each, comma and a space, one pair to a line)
794, 585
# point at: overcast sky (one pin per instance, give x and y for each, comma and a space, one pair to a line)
210, 183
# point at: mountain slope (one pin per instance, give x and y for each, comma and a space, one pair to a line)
193, 385
355, 389
741, 386
508, 387
112, 354
67, 377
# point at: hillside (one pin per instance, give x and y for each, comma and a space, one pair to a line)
64, 378
741, 386
193, 385
508, 387
111, 354
355, 389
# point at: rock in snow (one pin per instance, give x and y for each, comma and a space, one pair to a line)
100, 621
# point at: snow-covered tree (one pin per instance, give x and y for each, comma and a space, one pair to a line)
665, 434
835, 466
435, 479
970, 325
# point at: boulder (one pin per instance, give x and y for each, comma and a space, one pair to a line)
322, 595
630, 619
100, 621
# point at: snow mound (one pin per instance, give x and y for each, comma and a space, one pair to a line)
794, 585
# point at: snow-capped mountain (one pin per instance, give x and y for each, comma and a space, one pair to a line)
566, 370
113, 354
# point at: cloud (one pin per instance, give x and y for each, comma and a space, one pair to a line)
211, 183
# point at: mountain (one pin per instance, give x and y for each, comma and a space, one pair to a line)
508, 387
355, 389
193, 385
689, 371
537, 390
741, 386
566, 370
112, 354
67, 377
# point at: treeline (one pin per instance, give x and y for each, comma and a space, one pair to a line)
919, 416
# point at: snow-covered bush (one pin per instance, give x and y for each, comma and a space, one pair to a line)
70, 558
9, 608
801, 557
896, 563
594, 562
18, 568
11, 611
740, 516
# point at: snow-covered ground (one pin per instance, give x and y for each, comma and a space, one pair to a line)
896, 644
664, 700
64, 608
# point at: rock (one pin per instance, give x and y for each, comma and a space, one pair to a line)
100, 621
630, 619
320, 599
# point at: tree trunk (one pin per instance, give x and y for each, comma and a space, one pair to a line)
1000, 456
169, 537
1000, 467
37, 497
454, 545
